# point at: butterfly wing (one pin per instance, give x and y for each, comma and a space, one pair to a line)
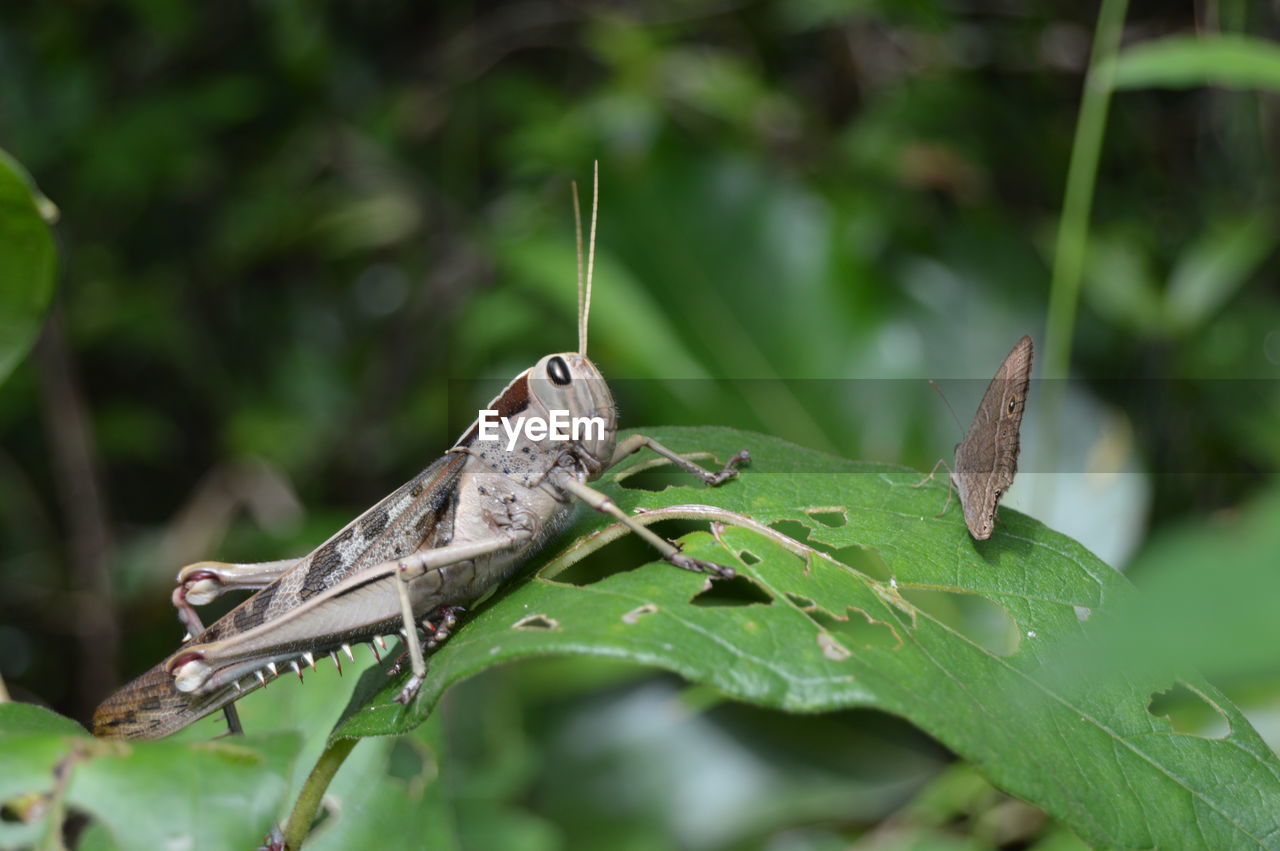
987, 458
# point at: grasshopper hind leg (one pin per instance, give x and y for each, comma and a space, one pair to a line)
203, 581
416, 565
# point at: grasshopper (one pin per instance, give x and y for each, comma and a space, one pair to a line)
455, 530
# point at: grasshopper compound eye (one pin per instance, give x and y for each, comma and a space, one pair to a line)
558, 371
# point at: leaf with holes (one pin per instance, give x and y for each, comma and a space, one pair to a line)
851, 592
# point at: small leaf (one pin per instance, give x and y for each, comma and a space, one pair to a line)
1214, 267
1181, 62
27, 262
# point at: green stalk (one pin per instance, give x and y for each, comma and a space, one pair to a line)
308, 803
1073, 230
1082, 173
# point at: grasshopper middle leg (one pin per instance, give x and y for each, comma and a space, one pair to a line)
417, 565
670, 552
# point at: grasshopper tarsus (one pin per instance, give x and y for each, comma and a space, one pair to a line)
697, 565
730, 469
410, 690
449, 617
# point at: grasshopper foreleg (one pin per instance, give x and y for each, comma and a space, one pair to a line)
418, 564
432, 635
636, 442
670, 552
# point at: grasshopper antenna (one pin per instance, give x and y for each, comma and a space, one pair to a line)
584, 283
959, 425
577, 227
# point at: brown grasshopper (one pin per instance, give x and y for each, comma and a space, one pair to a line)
455, 530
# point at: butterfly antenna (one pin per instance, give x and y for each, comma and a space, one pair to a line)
959, 424
577, 226
585, 310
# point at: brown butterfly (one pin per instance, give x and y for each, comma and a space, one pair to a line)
987, 458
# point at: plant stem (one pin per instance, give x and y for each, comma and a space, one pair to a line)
74, 455
308, 803
1082, 173
1073, 231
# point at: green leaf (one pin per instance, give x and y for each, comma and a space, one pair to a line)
879, 604
1209, 592
20, 719
27, 262
1181, 62
1214, 267
223, 794
1120, 283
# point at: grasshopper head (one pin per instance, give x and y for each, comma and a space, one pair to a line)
570, 383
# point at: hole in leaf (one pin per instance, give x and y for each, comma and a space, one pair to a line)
831, 517
749, 558
639, 612
658, 479
536, 622
793, 529
856, 629
406, 761
982, 621
1189, 712
801, 601
626, 553
738, 591
865, 560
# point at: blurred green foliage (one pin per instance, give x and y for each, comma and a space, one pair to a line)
27, 262
294, 237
